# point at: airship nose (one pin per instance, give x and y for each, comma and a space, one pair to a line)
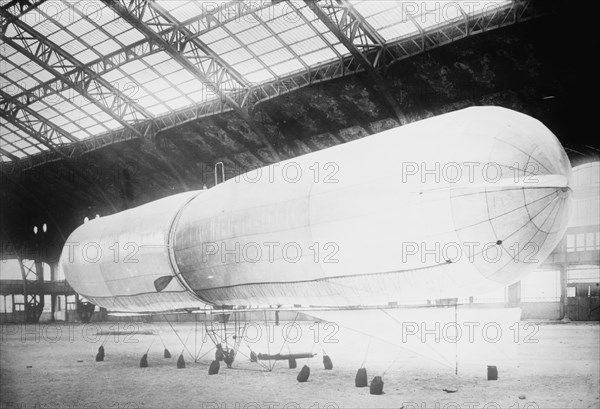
515, 222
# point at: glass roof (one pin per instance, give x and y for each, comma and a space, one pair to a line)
255, 42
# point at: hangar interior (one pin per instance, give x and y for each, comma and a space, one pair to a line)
107, 105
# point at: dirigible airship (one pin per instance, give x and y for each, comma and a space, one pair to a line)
449, 206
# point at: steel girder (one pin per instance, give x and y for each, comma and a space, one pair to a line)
20, 7
31, 131
516, 11
8, 155
196, 26
48, 133
96, 69
191, 54
70, 72
360, 39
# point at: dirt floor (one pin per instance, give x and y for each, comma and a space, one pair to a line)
53, 366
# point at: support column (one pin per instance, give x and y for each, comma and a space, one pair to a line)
33, 300
563, 292
514, 294
85, 310
53, 296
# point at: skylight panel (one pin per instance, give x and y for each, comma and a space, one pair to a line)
371, 7
22, 144
405, 29
285, 23
70, 127
179, 77
5, 64
43, 75
81, 134
267, 45
225, 45
86, 56
144, 76
341, 48
116, 27
259, 77
483, 6
47, 113
19, 154
319, 57
157, 85
171, 5
184, 11
178, 103
91, 9
167, 67
130, 117
308, 46
111, 124
331, 38
18, 59
58, 11
192, 86
133, 67
46, 27
99, 15
213, 35
23, 135
96, 130
199, 96
91, 109
61, 37
6, 51
147, 101
318, 24
276, 57
74, 47
298, 33
38, 106
81, 27
434, 15
107, 47
129, 37
248, 66
254, 34
32, 18
158, 109
8, 126
94, 37
267, 10
156, 58
32, 150
17, 76
394, 16
241, 24
10, 136
287, 67
8, 147
64, 107
83, 120
10, 88
236, 56
168, 94
60, 120
113, 76
7, 133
